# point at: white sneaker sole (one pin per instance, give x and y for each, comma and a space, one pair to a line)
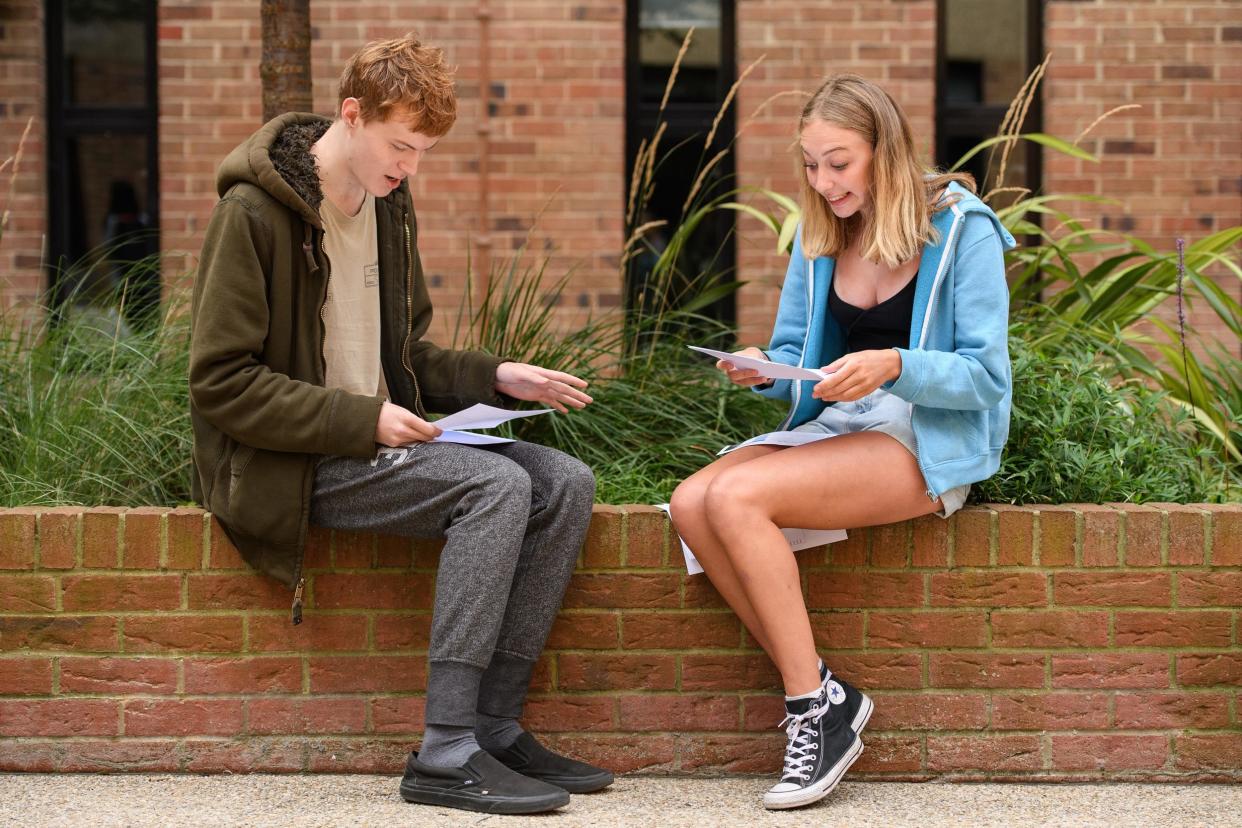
863, 715
816, 792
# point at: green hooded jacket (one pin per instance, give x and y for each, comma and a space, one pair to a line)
260, 411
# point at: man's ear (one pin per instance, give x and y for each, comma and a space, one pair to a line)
351, 112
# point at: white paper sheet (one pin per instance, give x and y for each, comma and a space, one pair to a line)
779, 438
770, 370
798, 539
469, 438
483, 416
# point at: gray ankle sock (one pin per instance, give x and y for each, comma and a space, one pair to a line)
447, 746
496, 732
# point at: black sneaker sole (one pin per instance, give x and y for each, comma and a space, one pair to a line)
579, 784
476, 801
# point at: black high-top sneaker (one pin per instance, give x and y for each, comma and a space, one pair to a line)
821, 748
858, 705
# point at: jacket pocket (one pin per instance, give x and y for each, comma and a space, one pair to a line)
265, 494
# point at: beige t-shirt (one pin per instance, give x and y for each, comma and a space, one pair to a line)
351, 316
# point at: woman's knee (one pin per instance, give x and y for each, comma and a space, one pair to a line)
685, 507
731, 494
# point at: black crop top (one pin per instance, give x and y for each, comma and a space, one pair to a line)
886, 325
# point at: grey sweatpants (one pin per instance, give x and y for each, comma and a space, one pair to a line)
513, 517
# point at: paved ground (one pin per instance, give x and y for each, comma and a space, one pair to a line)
255, 801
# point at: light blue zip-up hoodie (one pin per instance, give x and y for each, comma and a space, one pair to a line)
955, 374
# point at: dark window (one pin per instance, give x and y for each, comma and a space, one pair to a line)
655, 30
985, 51
102, 169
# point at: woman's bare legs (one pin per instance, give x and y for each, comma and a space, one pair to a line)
853, 480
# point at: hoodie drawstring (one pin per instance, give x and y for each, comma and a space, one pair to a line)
308, 247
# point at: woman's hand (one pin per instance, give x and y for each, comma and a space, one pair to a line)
856, 375
535, 384
745, 377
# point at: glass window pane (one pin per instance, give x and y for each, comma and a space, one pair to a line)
105, 52
985, 50
662, 26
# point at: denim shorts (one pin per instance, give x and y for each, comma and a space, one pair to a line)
888, 414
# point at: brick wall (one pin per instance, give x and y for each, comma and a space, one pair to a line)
1066, 642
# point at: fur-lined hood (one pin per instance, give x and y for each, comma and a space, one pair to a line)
277, 159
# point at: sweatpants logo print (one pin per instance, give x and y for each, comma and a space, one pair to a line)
399, 453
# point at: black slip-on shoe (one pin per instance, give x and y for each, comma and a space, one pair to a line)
529, 758
482, 784
858, 705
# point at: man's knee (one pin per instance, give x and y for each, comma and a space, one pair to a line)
507, 483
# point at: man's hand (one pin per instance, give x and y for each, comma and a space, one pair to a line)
398, 426
535, 384
745, 377
856, 375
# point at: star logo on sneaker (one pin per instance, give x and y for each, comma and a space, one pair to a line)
836, 693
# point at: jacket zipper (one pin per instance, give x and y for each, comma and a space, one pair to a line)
806, 337
409, 315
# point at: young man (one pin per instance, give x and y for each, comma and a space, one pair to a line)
308, 362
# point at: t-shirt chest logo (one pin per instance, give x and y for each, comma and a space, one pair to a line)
370, 276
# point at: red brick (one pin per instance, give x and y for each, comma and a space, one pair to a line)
316, 715
186, 529
890, 545
142, 537
1118, 670
247, 592
392, 632
911, 630
221, 553
365, 674
1101, 535
678, 713
616, 672
1144, 534
1217, 751
253, 674
646, 536
891, 754
1058, 535
626, 753
730, 753
831, 590
101, 528
1162, 711
26, 756
78, 633
931, 542
679, 631
317, 553
1177, 628
126, 756
983, 588
393, 551
59, 537
1187, 533
1108, 752
929, 711
183, 633
121, 592
398, 714
1209, 669
249, 756
1112, 589
27, 593
18, 535
576, 714
1226, 533
986, 670
352, 550
1050, 711
972, 536
199, 717
852, 551
1050, 630
118, 676
59, 717
585, 631
984, 753
698, 593
623, 590
1209, 589
882, 670
762, 711
25, 677
835, 630
604, 538
1015, 535
357, 755
383, 590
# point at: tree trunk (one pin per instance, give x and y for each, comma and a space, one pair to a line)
285, 66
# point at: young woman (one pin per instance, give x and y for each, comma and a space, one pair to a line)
896, 289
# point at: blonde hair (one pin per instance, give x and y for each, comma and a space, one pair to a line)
402, 76
903, 195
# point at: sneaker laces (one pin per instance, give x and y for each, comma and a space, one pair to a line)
800, 752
